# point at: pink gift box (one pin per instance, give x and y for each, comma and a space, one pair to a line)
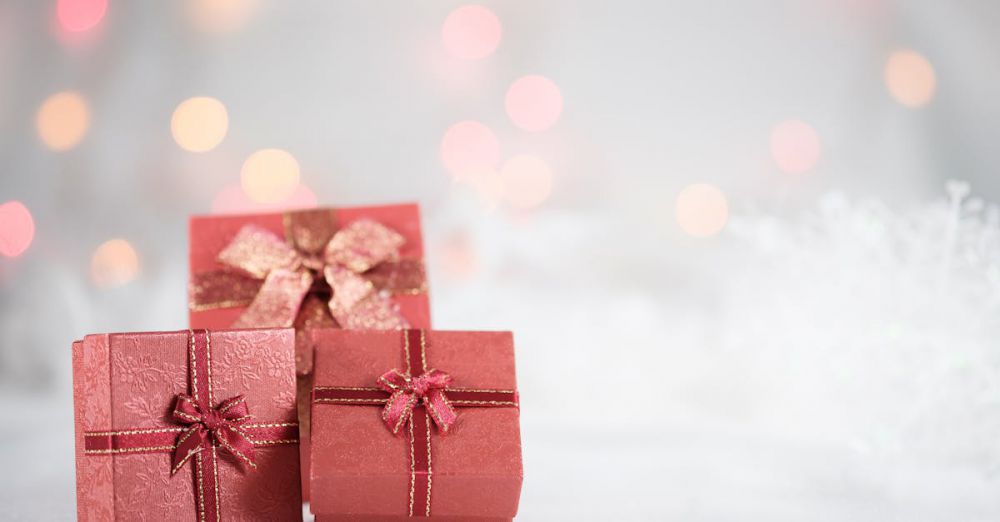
125, 389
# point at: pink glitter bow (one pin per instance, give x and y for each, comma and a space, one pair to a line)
405, 391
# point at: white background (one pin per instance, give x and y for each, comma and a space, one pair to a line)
747, 376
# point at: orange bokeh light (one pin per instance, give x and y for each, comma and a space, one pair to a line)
471, 32
795, 146
534, 103
469, 148
488, 186
910, 78
270, 175
221, 16
17, 228
457, 256
527, 181
233, 200
199, 124
114, 263
80, 15
701, 210
62, 120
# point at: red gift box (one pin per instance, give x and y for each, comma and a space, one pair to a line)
415, 423
190, 425
353, 268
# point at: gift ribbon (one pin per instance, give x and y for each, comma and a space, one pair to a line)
282, 280
210, 429
416, 402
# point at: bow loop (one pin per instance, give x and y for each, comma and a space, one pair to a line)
258, 251
428, 388
431, 380
362, 245
221, 425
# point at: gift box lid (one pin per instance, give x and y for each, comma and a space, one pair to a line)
219, 293
471, 468
130, 390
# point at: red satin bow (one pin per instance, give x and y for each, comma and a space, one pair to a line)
406, 391
221, 424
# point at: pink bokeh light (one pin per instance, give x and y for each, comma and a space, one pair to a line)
458, 257
468, 148
80, 15
527, 181
534, 103
233, 200
17, 228
471, 32
795, 146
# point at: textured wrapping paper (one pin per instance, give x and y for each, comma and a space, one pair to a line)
360, 470
129, 381
211, 235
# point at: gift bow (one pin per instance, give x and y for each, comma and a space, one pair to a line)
289, 272
221, 424
406, 391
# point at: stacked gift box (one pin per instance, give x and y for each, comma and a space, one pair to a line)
310, 372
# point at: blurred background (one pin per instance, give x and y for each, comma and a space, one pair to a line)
740, 280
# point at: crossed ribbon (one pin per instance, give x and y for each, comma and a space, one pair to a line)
358, 266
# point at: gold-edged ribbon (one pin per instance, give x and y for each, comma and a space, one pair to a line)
317, 276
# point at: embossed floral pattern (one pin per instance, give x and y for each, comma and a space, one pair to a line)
148, 411
239, 364
138, 377
137, 371
276, 367
284, 399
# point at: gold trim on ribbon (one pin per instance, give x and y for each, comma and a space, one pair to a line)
359, 261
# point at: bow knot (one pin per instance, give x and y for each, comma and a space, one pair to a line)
406, 392
213, 421
220, 426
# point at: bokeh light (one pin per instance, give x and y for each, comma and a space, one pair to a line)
17, 228
471, 32
527, 181
488, 186
469, 147
534, 103
457, 256
795, 146
701, 210
80, 15
302, 197
270, 175
62, 120
233, 200
199, 124
910, 78
114, 263
221, 16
